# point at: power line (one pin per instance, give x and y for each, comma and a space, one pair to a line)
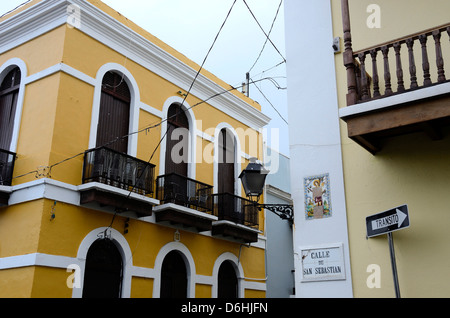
267, 38
182, 103
279, 114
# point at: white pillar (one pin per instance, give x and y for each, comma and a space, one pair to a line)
315, 144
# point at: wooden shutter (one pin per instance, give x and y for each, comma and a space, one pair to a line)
226, 162
177, 119
114, 116
9, 92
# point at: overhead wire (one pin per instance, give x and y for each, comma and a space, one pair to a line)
267, 38
262, 29
279, 114
182, 103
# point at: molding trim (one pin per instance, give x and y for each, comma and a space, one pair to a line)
48, 15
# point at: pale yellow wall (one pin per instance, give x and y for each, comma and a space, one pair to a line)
398, 18
410, 169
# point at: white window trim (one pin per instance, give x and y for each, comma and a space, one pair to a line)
192, 142
237, 157
134, 105
124, 249
4, 70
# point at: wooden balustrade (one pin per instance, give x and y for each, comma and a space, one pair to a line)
364, 84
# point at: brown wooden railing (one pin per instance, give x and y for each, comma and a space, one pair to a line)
370, 72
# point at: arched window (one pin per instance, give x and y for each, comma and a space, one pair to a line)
114, 115
9, 92
177, 141
227, 281
103, 271
226, 158
174, 279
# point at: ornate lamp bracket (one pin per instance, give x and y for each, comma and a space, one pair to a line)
284, 211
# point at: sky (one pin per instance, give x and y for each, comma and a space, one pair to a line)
190, 27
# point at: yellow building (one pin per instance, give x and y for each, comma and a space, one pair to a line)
115, 181
372, 113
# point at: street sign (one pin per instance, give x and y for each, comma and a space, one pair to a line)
388, 221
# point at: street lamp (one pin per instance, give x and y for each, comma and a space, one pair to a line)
253, 178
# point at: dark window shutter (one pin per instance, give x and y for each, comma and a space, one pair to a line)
177, 158
9, 92
114, 116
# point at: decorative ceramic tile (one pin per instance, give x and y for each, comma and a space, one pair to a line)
317, 197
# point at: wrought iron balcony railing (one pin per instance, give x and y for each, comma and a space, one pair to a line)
7, 159
174, 188
119, 170
230, 207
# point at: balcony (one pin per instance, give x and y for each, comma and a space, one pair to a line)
6, 172
117, 182
381, 105
238, 218
184, 202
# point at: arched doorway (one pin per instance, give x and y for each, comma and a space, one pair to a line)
114, 116
103, 271
174, 279
177, 141
227, 281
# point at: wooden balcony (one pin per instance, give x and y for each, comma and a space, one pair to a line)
7, 159
184, 202
117, 181
238, 218
396, 87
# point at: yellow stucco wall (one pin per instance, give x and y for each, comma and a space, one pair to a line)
55, 125
410, 169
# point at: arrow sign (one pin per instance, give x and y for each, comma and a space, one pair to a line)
388, 221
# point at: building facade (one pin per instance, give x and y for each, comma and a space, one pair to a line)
115, 180
368, 88
280, 257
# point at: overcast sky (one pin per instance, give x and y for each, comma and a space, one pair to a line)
190, 27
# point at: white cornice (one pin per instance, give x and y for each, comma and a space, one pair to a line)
49, 14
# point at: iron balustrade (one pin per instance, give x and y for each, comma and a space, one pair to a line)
230, 207
119, 170
7, 159
175, 188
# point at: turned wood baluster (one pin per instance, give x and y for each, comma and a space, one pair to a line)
439, 59
362, 60
376, 87
387, 74
398, 61
425, 63
348, 55
412, 63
